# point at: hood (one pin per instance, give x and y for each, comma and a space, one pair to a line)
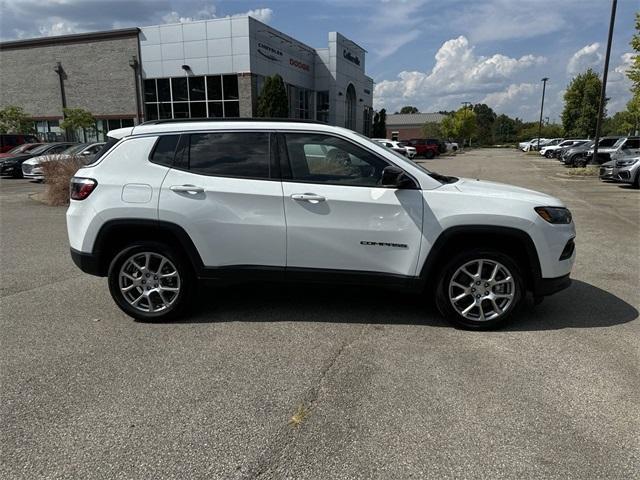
17, 158
610, 163
508, 192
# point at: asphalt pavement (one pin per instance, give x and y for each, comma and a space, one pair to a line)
379, 385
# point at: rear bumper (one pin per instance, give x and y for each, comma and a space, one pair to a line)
87, 262
548, 286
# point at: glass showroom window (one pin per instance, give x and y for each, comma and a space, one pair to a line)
192, 97
304, 104
322, 106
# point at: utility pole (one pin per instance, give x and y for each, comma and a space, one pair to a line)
603, 90
465, 106
544, 86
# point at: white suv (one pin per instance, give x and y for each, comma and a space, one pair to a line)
172, 202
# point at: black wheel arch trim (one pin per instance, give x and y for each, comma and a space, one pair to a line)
434, 258
159, 227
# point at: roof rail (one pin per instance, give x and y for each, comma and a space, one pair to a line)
234, 119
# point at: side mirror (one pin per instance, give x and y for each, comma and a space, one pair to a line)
395, 177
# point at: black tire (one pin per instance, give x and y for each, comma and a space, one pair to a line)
636, 183
445, 304
429, 154
178, 305
548, 154
455, 148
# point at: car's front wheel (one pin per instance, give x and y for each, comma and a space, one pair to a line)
479, 289
429, 154
149, 281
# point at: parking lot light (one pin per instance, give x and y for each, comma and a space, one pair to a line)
544, 85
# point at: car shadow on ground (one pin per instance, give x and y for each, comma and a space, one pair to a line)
580, 306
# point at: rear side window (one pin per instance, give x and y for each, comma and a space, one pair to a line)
165, 150
632, 143
105, 148
230, 154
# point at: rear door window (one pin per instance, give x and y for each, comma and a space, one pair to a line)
230, 154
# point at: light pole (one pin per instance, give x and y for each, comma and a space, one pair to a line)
544, 86
61, 76
603, 90
465, 106
133, 63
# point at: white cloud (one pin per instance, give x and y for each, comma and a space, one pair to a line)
588, 56
59, 27
457, 73
262, 14
513, 93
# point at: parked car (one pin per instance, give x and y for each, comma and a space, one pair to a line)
606, 170
24, 148
606, 153
425, 147
627, 170
576, 151
549, 150
451, 146
410, 151
9, 141
13, 166
392, 144
531, 144
32, 168
175, 202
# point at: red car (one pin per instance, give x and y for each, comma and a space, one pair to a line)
10, 141
425, 147
20, 149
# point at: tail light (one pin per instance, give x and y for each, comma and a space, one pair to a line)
81, 188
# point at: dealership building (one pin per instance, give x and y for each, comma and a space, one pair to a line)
203, 69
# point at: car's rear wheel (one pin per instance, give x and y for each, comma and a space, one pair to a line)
429, 154
479, 289
151, 282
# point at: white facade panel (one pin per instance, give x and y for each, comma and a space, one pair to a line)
171, 33
172, 51
194, 31
195, 49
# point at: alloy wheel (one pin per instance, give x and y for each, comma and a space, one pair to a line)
481, 290
149, 282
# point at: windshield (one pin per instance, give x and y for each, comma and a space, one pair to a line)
619, 142
40, 149
607, 142
434, 175
75, 149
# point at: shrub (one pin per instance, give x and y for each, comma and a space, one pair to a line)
57, 175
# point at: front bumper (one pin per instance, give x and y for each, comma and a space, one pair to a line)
606, 173
548, 286
626, 174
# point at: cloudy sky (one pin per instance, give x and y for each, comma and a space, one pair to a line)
433, 54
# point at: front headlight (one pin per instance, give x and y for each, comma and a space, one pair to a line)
555, 215
628, 162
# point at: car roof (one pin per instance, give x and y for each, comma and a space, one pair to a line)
157, 127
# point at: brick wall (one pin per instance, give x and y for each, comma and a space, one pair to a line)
99, 78
246, 92
405, 133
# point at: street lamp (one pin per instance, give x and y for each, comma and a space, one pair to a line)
61, 76
603, 90
544, 86
465, 106
134, 64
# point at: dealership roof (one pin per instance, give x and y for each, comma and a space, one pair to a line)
73, 38
408, 119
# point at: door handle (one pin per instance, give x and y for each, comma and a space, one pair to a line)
308, 197
186, 189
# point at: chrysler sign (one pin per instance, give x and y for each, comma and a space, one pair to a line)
269, 52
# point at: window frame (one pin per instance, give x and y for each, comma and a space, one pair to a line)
182, 160
287, 175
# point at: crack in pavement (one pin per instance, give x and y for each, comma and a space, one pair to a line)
275, 452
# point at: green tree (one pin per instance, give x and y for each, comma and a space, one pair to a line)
461, 125
14, 120
76, 119
634, 72
504, 129
273, 102
409, 109
432, 130
581, 100
379, 129
485, 118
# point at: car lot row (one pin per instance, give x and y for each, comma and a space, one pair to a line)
618, 157
26, 160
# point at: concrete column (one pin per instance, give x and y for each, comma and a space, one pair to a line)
246, 92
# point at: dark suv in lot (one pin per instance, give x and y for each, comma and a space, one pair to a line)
9, 141
425, 147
